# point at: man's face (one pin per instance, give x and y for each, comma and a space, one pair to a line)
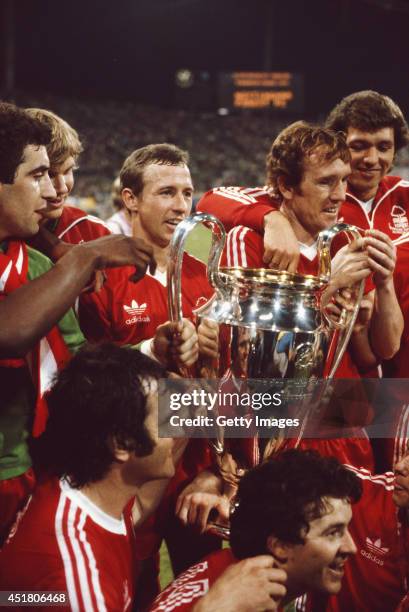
62, 178
22, 202
315, 204
318, 564
160, 463
166, 199
372, 155
401, 486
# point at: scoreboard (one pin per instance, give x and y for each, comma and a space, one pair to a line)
281, 91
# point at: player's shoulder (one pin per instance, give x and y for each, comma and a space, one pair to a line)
73, 216
244, 247
375, 481
243, 195
194, 583
392, 183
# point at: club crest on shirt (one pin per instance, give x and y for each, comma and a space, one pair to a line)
399, 220
201, 301
135, 312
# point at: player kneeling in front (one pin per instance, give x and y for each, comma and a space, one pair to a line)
293, 514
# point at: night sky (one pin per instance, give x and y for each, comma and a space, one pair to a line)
130, 49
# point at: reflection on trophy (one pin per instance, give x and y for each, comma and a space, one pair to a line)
271, 328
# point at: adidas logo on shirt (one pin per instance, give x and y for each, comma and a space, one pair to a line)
136, 310
374, 550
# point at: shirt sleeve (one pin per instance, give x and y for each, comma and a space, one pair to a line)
244, 248
68, 325
233, 206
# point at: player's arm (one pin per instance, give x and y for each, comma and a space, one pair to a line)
233, 207
50, 295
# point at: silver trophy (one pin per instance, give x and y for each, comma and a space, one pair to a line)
271, 324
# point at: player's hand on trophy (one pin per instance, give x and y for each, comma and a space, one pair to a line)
350, 265
119, 250
281, 248
341, 301
364, 313
194, 509
251, 585
381, 256
201, 497
176, 343
208, 334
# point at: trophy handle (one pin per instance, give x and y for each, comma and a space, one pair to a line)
177, 249
324, 246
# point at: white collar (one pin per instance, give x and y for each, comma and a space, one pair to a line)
94, 512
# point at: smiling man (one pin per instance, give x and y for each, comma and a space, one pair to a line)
375, 130
376, 578
308, 168
157, 189
295, 508
68, 223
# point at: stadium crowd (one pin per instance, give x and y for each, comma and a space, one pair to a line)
89, 488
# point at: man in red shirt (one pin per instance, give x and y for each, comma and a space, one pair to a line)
157, 190
375, 130
68, 223
308, 168
99, 451
376, 578
296, 508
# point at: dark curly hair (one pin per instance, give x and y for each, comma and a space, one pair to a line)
294, 145
369, 111
281, 497
99, 397
17, 130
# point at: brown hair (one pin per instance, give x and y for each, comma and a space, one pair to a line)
369, 111
164, 154
64, 142
296, 142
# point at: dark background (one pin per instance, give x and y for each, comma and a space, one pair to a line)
130, 49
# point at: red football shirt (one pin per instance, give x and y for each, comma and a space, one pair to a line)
182, 594
64, 542
127, 312
75, 226
376, 577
